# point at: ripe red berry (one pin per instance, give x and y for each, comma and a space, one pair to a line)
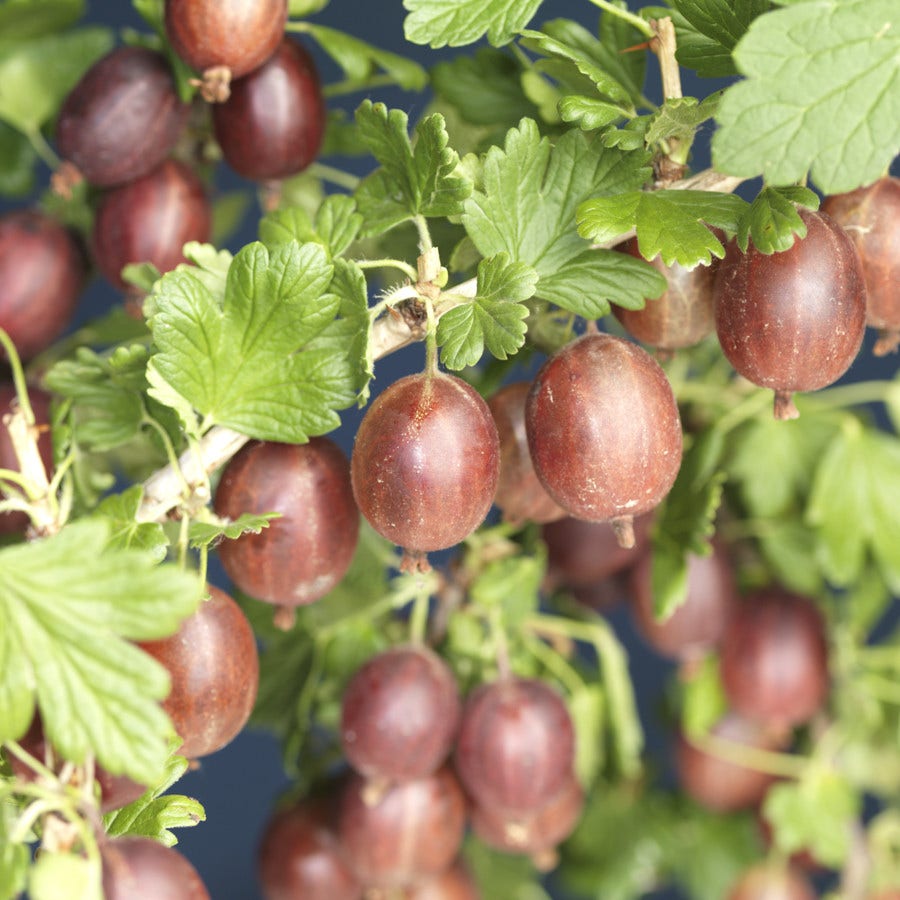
604, 431
871, 217
682, 316
303, 554
150, 220
411, 832
214, 667
520, 495
581, 554
774, 658
237, 34
772, 881
42, 272
426, 462
536, 834
400, 714
123, 118
142, 867
300, 856
698, 624
516, 745
717, 782
273, 123
17, 522
792, 321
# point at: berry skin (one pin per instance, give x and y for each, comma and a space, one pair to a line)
140, 868
871, 217
273, 123
42, 272
150, 220
696, 626
123, 118
299, 855
516, 745
520, 495
792, 321
717, 783
411, 832
303, 554
604, 431
237, 34
214, 667
426, 462
400, 714
774, 658
682, 316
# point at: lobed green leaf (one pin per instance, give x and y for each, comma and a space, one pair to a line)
672, 224
495, 318
37, 74
249, 360
436, 23
71, 605
361, 61
821, 95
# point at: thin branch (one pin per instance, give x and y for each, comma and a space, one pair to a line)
163, 491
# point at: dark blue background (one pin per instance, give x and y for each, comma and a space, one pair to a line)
239, 785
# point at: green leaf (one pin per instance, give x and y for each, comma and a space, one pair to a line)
248, 361
155, 813
570, 41
335, 225
55, 875
422, 180
436, 23
679, 118
587, 284
684, 523
74, 601
588, 113
513, 585
672, 224
17, 161
821, 95
361, 61
485, 88
774, 462
495, 318
617, 36
854, 502
107, 391
814, 814
120, 511
21, 20
713, 27
502, 874
772, 219
704, 699
205, 534
36, 75
526, 209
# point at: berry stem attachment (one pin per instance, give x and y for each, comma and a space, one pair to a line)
404, 267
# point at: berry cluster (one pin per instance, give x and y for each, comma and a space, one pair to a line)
422, 765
